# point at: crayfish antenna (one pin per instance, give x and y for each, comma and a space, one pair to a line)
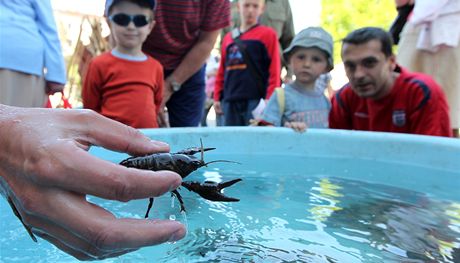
221, 161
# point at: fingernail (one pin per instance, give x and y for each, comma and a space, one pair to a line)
160, 143
174, 185
179, 234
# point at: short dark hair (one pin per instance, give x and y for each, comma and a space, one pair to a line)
140, 3
366, 34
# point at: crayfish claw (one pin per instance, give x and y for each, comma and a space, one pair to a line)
211, 191
229, 183
223, 198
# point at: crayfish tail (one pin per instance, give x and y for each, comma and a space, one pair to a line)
217, 197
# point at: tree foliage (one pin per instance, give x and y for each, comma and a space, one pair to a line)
339, 17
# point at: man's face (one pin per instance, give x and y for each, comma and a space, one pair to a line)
369, 71
250, 10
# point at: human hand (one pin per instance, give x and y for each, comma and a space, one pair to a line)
46, 173
298, 126
167, 93
168, 88
218, 107
162, 120
53, 87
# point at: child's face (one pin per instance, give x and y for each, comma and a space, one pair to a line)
130, 37
250, 10
307, 64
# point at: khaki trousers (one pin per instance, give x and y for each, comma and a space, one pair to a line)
443, 66
21, 89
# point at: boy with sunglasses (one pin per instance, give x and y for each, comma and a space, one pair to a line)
125, 84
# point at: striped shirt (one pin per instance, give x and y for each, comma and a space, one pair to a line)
178, 26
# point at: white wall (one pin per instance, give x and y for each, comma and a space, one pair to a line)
305, 13
89, 7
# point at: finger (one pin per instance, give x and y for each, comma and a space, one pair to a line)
85, 230
299, 126
116, 136
35, 217
87, 174
70, 242
104, 232
75, 253
79, 254
137, 233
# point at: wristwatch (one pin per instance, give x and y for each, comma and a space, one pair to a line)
175, 86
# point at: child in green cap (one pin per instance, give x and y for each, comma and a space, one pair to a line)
302, 103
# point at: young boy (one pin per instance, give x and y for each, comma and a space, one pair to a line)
125, 84
304, 104
249, 69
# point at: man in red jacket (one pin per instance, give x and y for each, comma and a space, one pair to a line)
381, 95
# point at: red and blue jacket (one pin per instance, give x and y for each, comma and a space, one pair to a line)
234, 80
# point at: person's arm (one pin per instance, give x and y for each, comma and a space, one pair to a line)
220, 77
91, 93
192, 62
339, 117
275, 65
272, 115
288, 28
430, 111
158, 96
46, 173
54, 61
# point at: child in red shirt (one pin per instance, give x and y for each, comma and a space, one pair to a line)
125, 84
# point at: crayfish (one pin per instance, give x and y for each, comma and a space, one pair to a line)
184, 163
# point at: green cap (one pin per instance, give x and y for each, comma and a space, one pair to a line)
312, 37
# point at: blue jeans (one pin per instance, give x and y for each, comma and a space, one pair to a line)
185, 107
238, 113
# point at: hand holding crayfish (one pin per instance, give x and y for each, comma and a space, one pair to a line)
46, 173
183, 162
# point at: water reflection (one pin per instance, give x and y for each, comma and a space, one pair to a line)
403, 223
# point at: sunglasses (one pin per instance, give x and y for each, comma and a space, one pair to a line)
124, 19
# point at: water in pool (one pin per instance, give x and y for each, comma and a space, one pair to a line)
292, 209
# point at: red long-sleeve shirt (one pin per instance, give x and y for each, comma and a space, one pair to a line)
416, 104
127, 91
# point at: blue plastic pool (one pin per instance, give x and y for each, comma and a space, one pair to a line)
320, 196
